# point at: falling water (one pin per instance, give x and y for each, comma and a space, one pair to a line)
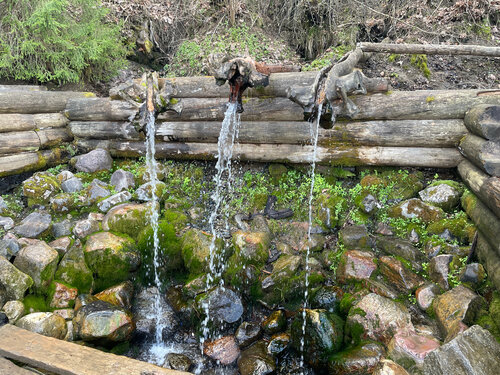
314, 138
228, 135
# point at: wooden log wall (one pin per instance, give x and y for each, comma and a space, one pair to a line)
33, 129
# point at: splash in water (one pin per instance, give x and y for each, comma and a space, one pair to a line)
228, 135
314, 139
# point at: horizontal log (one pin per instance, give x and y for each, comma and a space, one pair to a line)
346, 156
23, 87
422, 104
104, 130
31, 102
99, 109
431, 49
18, 122
14, 142
485, 187
53, 137
256, 109
32, 161
490, 259
482, 153
484, 219
398, 133
484, 121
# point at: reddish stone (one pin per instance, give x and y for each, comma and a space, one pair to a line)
407, 347
225, 350
425, 295
63, 296
398, 275
356, 265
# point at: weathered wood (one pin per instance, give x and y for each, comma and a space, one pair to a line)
53, 137
104, 130
31, 161
99, 109
23, 87
423, 104
8, 368
18, 122
65, 358
484, 121
346, 156
256, 109
399, 133
18, 142
490, 259
22, 101
482, 153
431, 49
485, 187
485, 220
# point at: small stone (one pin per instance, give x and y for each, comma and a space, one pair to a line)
33, 225
384, 229
274, 323
443, 196
61, 296
62, 202
113, 200
473, 274
3, 319
13, 280
119, 295
61, 245
14, 310
224, 305
64, 176
97, 190
439, 268
6, 223
96, 216
414, 237
40, 262
355, 265
425, 295
86, 227
398, 275
96, 160
224, 350
66, 314
355, 237
40, 188
72, 185
144, 192
44, 323
247, 333
411, 348
178, 362
62, 228
278, 343
256, 360
9, 248
122, 180
381, 288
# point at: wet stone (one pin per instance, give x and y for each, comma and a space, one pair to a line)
388, 367
179, 362
410, 349
328, 298
398, 275
356, 265
361, 359
381, 288
276, 322
144, 192
247, 333
355, 237
224, 350
473, 274
256, 360
225, 305
425, 295
278, 343
62, 296
33, 225
439, 268
3, 319
119, 295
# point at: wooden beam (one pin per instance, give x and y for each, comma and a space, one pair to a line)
65, 358
32, 102
104, 130
53, 137
14, 142
397, 133
431, 49
482, 153
10, 122
346, 155
31, 161
490, 259
484, 121
99, 109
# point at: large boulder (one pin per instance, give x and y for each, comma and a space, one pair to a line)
196, 251
102, 322
34, 225
111, 258
74, 271
324, 335
40, 262
128, 218
13, 281
94, 161
473, 352
44, 323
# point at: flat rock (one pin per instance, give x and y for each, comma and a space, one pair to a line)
93, 161
398, 247
33, 225
410, 349
224, 350
113, 200
473, 352
44, 323
355, 265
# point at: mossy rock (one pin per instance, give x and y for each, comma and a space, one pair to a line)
416, 209
458, 186
460, 227
40, 188
195, 250
111, 257
277, 172
61, 295
486, 321
494, 308
35, 303
177, 218
331, 209
73, 270
128, 218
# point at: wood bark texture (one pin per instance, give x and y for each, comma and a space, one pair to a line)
484, 121
482, 153
33, 102
431, 49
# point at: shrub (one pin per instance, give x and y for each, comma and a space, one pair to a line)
58, 41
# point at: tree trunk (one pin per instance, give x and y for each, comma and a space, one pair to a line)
15, 142
485, 220
484, 121
104, 130
431, 49
53, 137
18, 122
23, 101
99, 109
398, 133
482, 153
285, 153
490, 259
485, 187
32, 161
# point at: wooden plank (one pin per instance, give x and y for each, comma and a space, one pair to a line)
485, 187
484, 121
8, 368
431, 49
18, 122
482, 153
104, 130
346, 155
66, 358
99, 109
31, 102
398, 133
14, 142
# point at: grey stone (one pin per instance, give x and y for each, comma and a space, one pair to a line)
34, 225
14, 310
145, 191
398, 247
6, 223
224, 305
96, 160
64, 176
106, 204
473, 352
355, 237
247, 333
3, 205
9, 248
13, 281
122, 180
61, 245
44, 323
443, 196
439, 268
97, 190
85, 227
62, 228
72, 185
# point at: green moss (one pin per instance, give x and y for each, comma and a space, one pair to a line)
486, 321
35, 303
458, 186
459, 226
430, 99
176, 218
420, 62
73, 270
52, 290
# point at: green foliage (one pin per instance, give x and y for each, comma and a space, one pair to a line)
420, 62
58, 41
327, 58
